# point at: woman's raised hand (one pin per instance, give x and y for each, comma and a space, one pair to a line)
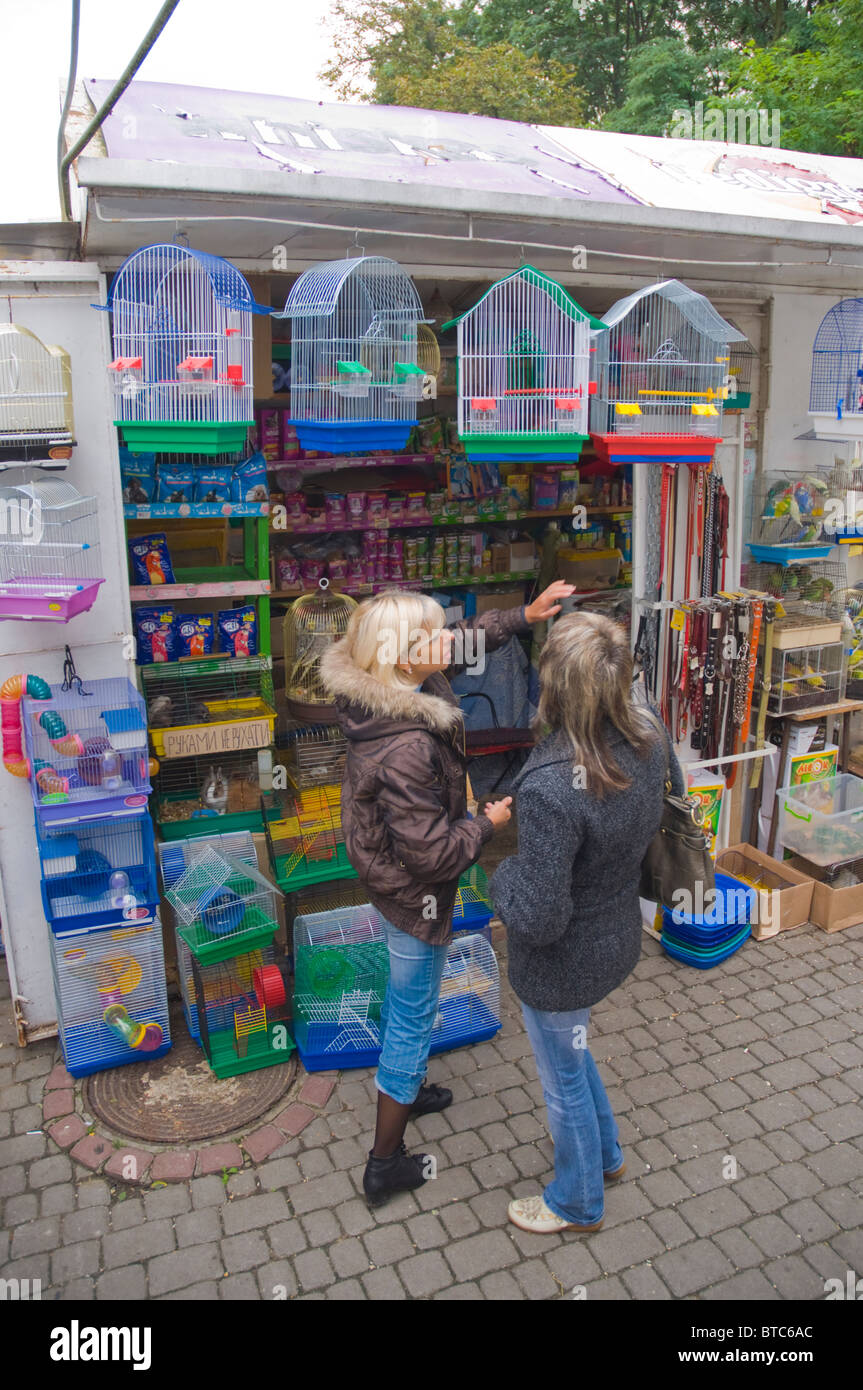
499, 812
548, 602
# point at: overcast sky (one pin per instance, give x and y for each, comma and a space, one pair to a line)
243, 45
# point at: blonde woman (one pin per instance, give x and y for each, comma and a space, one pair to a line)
589, 804
407, 829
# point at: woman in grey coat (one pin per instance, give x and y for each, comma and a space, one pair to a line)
589, 803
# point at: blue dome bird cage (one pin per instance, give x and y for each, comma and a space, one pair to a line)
355, 377
836, 389
182, 336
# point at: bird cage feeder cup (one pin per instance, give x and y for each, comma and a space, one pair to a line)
524, 371
98, 874
36, 420
836, 389
182, 334
661, 372
86, 751
788, 519
224, 907
50, 558
354, 355
112, 1005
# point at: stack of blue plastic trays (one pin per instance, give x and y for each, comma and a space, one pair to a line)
705, 939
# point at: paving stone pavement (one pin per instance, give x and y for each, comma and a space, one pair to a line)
738, 1093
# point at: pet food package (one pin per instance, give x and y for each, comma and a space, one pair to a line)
138, 474
194, 634
176, 483
238, 631
269, 437
213, 484
151, 562
154, 635
249, 482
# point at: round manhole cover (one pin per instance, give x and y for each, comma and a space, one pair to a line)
177, 1097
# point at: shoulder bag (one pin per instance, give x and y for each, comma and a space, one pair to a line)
677, 856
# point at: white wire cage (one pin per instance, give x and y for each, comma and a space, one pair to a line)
836, 387
50, 556
341, 970
661, 367
35, 391
524, 371
469, 1008
789, 515
182, 338
112, 1001
224, 906
355, 376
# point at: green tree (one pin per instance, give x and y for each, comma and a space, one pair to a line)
814, 78
413, 54
663, 76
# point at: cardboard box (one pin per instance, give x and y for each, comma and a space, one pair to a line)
522, 557
832, 909
787, 901
511, 598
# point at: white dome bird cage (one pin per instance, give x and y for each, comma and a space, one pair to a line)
660, 377
36, 422
355, 377
182, 335
524, 371
50, 557
836, 389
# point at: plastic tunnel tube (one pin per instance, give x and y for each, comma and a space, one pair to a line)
10, 718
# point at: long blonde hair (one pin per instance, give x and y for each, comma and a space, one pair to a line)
585, 676
382, 630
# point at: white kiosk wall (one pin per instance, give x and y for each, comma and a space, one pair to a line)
53, 300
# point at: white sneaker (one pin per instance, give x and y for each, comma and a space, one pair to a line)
531, 1214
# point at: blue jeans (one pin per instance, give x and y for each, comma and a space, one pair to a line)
582, 1125
408, 1013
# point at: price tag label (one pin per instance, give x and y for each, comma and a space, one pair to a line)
678, 620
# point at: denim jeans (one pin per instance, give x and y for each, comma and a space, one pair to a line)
408, 1013
582, 1125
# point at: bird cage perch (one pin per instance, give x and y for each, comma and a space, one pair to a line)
182, 336
524, 371
661, 373
355, 375
36, 421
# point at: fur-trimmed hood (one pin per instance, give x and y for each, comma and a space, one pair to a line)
368, 709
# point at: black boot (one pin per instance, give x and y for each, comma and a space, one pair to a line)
384, 1177
431, 1099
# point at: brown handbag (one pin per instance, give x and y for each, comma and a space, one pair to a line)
677, 857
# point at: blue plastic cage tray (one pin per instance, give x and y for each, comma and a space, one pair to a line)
362, 436
788, 554
703, 960
734, 905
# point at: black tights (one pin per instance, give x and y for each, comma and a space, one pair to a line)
390, 1127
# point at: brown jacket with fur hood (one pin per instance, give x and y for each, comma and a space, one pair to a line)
404, 805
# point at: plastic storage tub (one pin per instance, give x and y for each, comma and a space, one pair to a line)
823, 820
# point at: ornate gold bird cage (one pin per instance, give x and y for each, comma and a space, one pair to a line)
313, 622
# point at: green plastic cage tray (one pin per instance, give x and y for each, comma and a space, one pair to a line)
185, 436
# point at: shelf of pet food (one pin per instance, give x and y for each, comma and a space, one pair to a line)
161, 511
468, 519
332, 462
466, 582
